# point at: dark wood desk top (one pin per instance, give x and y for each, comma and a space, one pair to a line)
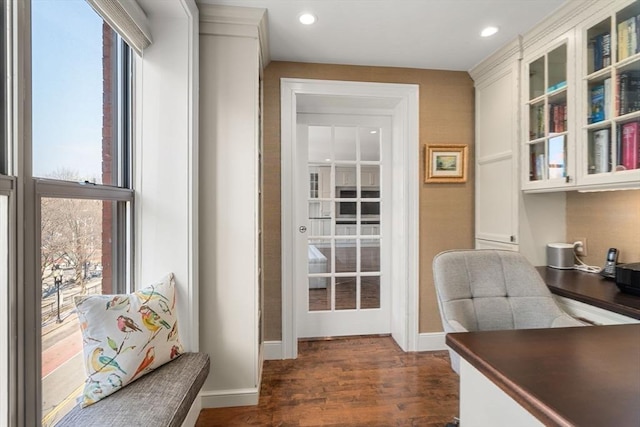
591, 289
584, 376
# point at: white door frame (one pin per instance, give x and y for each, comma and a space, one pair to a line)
404, 199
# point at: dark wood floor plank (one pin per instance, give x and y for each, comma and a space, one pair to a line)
356, 381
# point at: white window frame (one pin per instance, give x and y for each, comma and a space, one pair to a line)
165, 171
7, 260
28, 405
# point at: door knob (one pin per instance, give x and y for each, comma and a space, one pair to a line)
302, 229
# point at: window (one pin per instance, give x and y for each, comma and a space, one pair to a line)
4, 307
6, 224
4, 153
81, 151
46, 192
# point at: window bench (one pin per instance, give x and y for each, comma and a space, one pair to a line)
160, 398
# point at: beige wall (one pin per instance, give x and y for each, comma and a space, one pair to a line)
446, 210
609, 219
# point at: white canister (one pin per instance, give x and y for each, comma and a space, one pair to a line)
560, 255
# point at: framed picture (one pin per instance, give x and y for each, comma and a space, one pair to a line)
445, 163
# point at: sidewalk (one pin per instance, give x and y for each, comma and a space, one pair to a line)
60, 352
60, 342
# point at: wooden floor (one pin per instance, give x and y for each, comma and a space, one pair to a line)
358, 381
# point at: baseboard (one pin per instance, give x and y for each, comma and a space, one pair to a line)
273, 350
228, 398
432, 341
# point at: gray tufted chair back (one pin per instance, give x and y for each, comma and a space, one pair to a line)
484, 290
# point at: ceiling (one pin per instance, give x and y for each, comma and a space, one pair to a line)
429, 34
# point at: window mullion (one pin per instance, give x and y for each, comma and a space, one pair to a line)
68, 189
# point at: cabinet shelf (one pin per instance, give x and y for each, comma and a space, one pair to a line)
599, 75
598, 125
628, 61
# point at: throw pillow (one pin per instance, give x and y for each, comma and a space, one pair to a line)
126, 336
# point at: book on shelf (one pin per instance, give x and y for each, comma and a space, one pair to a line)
607, 98
557, 118
540, 166
536, 167
628, 99
557, 86
628, 37
537, 126
606, 50
601, 45
630, 154
597, 103
632, 38
601, 150
625, 38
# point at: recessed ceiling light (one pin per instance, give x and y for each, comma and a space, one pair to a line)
327, 160
307, 18
489, 31
373, 132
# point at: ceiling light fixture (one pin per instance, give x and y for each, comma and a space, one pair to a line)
489, 31
307, 18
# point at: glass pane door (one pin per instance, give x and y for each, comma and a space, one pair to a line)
344, 217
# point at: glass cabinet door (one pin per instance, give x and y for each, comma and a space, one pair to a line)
546, 144
611, 93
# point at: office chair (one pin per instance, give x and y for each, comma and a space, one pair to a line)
484, 290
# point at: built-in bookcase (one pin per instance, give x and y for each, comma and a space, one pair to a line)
611, 97
580, 114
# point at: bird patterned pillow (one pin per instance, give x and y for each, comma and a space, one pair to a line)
126, 336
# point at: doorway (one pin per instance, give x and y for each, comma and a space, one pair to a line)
312, 211
342, 190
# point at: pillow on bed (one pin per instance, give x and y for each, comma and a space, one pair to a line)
126, 336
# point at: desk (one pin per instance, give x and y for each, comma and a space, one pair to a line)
586, 376
591, 289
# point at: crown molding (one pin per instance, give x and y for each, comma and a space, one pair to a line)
510, 52
562, 20
238, 22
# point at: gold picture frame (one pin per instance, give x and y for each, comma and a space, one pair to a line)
446, 163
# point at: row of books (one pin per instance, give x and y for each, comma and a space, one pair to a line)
627, 97
536, 167
628, 32
628, 145
627, 149
601, 45
536, 128
628, 37
599, 102
557, 118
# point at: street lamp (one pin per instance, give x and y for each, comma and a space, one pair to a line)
57, 280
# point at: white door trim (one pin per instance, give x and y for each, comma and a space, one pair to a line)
405, 201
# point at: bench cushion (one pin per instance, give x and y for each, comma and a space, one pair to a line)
160, 398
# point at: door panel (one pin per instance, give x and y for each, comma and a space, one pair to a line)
341, 249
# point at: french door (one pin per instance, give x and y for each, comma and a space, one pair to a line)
343, 220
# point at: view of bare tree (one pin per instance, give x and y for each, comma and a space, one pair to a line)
71, 232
